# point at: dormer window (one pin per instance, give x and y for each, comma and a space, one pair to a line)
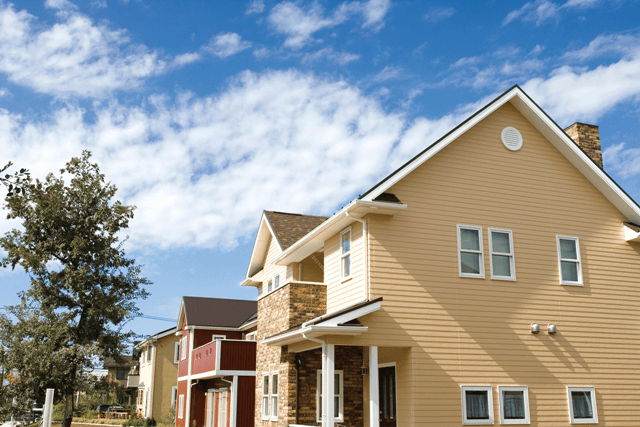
345, 249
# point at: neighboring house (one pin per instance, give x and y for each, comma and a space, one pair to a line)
157, 386
216, 373
492, 279
118, 372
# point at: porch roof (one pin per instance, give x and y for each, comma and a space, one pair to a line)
337, 323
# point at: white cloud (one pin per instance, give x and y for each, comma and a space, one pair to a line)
74, 57
299, 24
436, 14
328, 53
618, 44
226, 44
543, 11
186, 58
4, 92
59, 4
102, 4
256, 6
622, 161
388, 73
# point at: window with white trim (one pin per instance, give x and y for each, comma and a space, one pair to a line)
338, 397
470, 251
274, 396
582, 405
345, 253
149, 351
569, 260
174, 396
217, 337
477, 405
176, 352
265, 397
276, 282
269, 285
514, 404
184, 347
503, 265
181, 406
143, 357
251, 336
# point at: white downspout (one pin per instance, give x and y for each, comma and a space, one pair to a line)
153, 377
365, 237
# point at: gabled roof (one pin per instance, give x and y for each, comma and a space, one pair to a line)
216, 312
291, 227
285, 228
547, 127
155, 337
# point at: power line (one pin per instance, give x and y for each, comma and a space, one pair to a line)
144, 316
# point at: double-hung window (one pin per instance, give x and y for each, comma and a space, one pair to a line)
582, 405
176, 352
569, 260
274, 396
183, 346
265, 397
149, 350
338, 397
514, 405
276, 282
503, 265
477, 405
345, 253
470, 253
269, 285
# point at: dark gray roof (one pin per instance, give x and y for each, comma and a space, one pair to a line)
226, 313
291, 227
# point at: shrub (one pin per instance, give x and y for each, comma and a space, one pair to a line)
151, 422
135, 422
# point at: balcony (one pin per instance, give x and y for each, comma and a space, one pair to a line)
219, 356
133, 381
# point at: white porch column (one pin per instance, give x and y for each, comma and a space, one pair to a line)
374, 398
234, 401
330, 383
187, 416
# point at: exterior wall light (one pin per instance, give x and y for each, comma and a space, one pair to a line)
535, 328
364, 370
551, 329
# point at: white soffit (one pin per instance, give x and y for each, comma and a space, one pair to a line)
631, 234
260, 248
546, 127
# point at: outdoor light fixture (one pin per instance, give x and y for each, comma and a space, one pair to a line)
364, 370
535, 328
551, 329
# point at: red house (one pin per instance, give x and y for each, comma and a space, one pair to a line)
216, 371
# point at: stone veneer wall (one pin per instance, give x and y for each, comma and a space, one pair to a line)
588, 138
349, 360
285, 308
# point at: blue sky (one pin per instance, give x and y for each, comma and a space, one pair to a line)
205, 113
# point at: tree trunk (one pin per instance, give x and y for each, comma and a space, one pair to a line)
68, 407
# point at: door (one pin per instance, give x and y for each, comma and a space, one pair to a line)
210, 409
387, 383
222, 408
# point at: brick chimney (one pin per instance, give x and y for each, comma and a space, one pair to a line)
588, 138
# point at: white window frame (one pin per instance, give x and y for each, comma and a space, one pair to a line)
525, 395
176, 352
593, 420
578, 260
149, 353
272, 396
143, 357
265, 397
174, 396
216, 337
489, 391
512, 255
251, 336
344, 255
340, 417
269, 286
183, 347
480, 252
276, 282
181, 406
223, 407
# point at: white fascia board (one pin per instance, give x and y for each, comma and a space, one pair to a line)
410, 167
351, 315
212, 328
154, 338
630, 234
181, 316
260, 246
313, 331
249, 325
314, 240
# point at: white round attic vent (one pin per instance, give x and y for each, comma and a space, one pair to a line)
511, 138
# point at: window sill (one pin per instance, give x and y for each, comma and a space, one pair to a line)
509, 279
572, 283
345, 279
472, 276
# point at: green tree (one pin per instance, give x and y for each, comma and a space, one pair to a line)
13, 182
83, 287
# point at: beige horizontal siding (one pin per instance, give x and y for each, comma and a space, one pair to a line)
341, 292
468, 331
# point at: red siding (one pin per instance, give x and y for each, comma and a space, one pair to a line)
183, 366
182, 390
201, 337
204, 358
246, 401
238, 356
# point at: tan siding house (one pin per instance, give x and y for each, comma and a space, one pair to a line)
494, 279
